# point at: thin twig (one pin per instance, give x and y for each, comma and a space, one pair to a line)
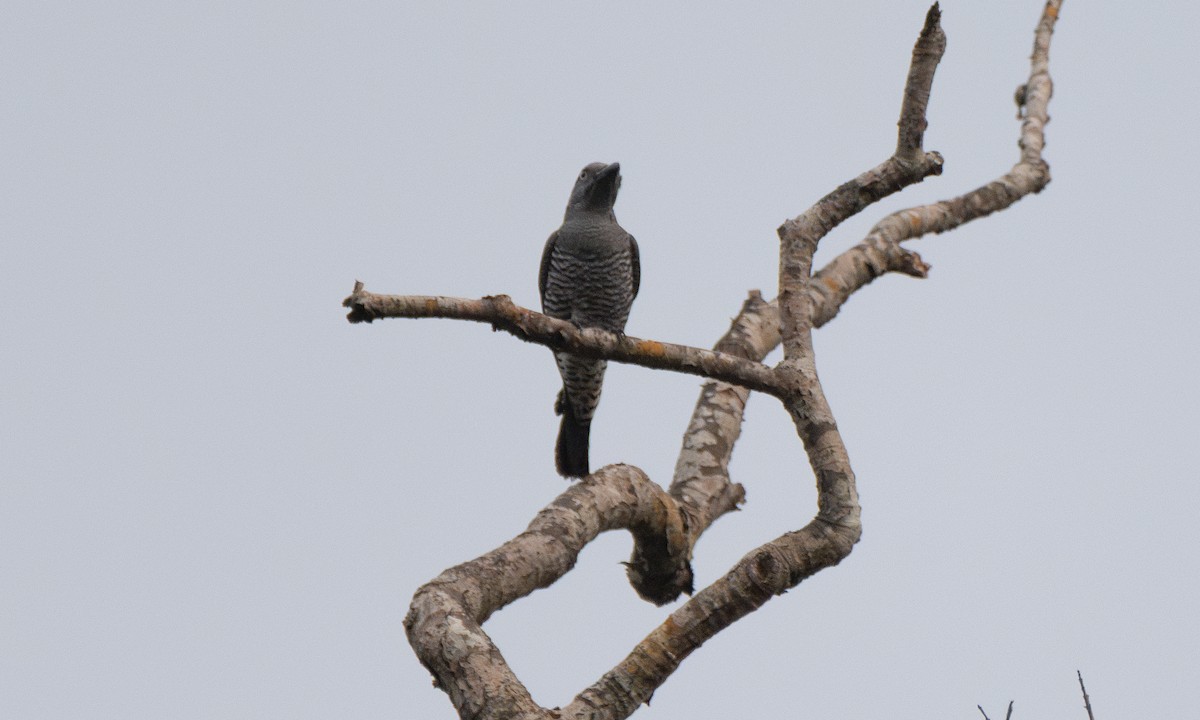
1087, 703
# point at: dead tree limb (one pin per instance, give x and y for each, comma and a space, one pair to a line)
503, 314
880, 252
1087, 702
444, 621
1007, 715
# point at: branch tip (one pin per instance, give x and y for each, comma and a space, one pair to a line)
933, 18
926, 55
1087, 703
358, 309
911, 264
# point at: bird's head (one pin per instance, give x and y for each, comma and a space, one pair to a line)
596, 187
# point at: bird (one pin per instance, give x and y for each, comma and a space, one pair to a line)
589, 276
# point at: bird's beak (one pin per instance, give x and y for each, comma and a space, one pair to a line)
609, 171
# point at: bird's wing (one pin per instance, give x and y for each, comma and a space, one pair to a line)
636, 263
545, 268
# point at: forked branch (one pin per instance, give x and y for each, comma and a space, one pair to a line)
881, 252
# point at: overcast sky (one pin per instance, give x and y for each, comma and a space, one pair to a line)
217, 497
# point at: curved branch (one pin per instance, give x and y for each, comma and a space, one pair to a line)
443, 624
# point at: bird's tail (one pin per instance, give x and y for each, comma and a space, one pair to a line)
571, 452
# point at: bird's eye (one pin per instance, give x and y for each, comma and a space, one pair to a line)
583, 174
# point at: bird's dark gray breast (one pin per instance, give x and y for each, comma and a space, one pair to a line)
590, 278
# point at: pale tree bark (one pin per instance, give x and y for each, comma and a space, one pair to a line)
444, 621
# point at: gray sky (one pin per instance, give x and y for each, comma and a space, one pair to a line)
217, 497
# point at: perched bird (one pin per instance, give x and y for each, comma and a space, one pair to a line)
589, 276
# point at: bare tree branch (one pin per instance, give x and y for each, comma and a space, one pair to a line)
926, 55
1007, 716
702, 470
502, 314
909, 165
880, 252
1087, 703
444, 621
701, 484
